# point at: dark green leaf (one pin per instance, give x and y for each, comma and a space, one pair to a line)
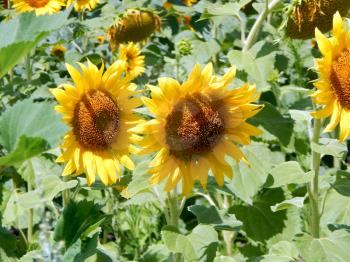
26, 148
275, 123
77, 221
218, 218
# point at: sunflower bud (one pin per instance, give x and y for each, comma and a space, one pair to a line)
306, 15
184, 47
133, 26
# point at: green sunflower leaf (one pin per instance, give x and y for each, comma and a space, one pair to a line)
78, 221
30, 119
24, 32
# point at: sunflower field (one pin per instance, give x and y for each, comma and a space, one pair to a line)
175, 130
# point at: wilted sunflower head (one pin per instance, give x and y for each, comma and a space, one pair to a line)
134, 26
58, 51
196, 125
134, 61
306, 15
99, 110
333, 86
41, 7
80, 5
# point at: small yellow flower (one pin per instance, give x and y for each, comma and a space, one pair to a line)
58, 51
196, 125
99, 110
100, 39
333, 85
189, 2
133, 59
41, 7
80, 5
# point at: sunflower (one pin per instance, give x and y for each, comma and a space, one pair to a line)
135, 64
41, 7
100, 39
58, 51
333, 85
189, 2
133, 26
99, 111
196, 125
80, 5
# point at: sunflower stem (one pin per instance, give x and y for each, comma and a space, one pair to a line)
258, 24
313, 187
28, 68
30, 219
174, 217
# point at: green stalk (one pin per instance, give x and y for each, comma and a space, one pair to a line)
30, 220
258, 24
313, 187
174, 217
28, 68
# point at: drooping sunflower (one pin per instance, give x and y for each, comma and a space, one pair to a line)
196, 125
133, 26
41, 7
306, 15
135, 62
80, 5
99, 110
333, 85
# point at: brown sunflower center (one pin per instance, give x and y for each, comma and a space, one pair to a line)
194, 126
340, 78
96, 121
37, 3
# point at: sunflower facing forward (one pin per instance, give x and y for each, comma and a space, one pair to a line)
99, 110
41, 7
333, 86
131, 55
196, 124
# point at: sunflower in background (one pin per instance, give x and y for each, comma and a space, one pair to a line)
333, 85
58, 51
81, 5
131, 55
189, 2
41, 7
99, 110
196, 125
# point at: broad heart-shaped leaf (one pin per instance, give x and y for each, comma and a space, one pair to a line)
329, 146
275, 123
26, 148
139, 182
199, 245
7, 242
283, 251
81, 249
289, 203
248, 180
336, 209
259, 222
22, 33
259, 70
342, 186
31, 119
289, 173
78, 220
333, 248
220, 219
